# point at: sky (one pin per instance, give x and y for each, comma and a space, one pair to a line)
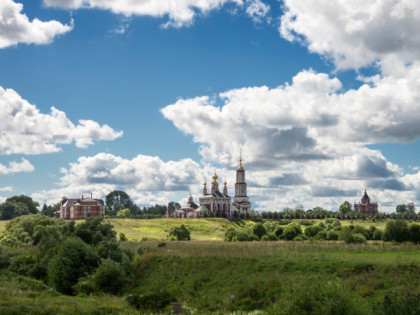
153, 96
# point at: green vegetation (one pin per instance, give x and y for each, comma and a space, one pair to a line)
280, 267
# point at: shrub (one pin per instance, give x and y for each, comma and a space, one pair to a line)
73, 260
122, 237
284, 222
265, 238
230, 233
95, 230
334, 222
301, 237
155, 300
180, 233
291, 231
306, 222
109, 277
332, 235
259, 230
396, 231
313, 230
358, 238
348, 236
279, 231
377, 235
415, 233
321, 235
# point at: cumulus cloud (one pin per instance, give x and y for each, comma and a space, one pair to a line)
16, 167
6, 188
24, 129
16, 28
180, 12
310, 127
147, 179
354, 33
257, 10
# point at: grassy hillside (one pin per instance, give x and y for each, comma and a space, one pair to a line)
211, 229
156, 229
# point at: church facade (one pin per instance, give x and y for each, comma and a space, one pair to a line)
218, 202
365, 206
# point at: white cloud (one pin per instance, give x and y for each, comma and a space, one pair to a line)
6, 188
354, 33
309, 136
257, 10
24, 129
16, 28
16, 167
180, 12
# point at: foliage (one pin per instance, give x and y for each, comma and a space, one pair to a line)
312, 230
155, 300
377, 235
259, 230
180, 233
109, 277
415, 232
95, 230
117, 200
397, 231
348, 236
74, 259
124, 213
345, 208
122, 237
30, 204
291, 231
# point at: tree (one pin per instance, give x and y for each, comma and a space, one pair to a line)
118, 200
291, 231
180, 233
396, 231
259, 230
31, 205
401, 208
411, 208
345, 208
10, 210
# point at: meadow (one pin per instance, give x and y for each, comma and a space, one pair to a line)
209, 276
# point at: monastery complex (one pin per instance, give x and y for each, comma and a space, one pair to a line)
218, 202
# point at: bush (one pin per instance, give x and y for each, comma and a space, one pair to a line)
358, 238
122, 237
301, 237
109, 277
259, 230
332, 235
73, 260
415, 233
334, 222
279, 231
95, 230
313, 230
265, 238
377, 235
155, 300
321, 235
348, 236
291, 231
180, 233
284, 222
396, 231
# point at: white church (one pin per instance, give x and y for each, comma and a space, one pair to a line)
218, 202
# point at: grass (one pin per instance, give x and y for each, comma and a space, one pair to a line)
205, 275
157, 229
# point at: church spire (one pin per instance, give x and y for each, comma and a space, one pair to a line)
240, 168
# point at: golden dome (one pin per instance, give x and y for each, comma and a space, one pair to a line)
225, 183
215, 176
205, 184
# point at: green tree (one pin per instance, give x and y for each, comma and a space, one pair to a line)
396, 231
180, 233
124, 213
73, 260
259, 230
11, 209
118, 200
411, 208
291, 231
401, 208
345, 208
415, 232
30, 204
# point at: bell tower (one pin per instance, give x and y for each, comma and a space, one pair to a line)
241, 201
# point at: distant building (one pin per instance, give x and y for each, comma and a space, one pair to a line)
365, 206
217, 202
187, 211
81, 208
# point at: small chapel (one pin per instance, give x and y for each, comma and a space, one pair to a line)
365, 206
219, 202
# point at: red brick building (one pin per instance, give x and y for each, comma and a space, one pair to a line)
81, 208
365, 206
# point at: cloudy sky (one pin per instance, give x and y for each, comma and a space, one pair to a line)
152, 96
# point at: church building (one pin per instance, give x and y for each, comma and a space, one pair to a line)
218, 202
365, 206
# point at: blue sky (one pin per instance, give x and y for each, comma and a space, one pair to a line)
323, 102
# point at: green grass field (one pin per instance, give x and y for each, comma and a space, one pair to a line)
209, 276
